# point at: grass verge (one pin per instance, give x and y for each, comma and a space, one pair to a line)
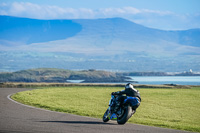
169, 108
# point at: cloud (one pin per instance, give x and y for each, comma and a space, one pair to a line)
26, 9
151, 18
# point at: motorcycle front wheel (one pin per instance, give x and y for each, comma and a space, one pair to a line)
105, 116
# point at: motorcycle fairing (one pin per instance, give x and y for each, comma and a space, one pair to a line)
133, 101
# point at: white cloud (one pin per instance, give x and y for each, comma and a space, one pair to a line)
119, 11
26, 9
150, 18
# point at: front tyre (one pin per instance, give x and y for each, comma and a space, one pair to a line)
125, 116
105, 116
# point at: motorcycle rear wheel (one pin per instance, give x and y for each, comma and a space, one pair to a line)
125, 116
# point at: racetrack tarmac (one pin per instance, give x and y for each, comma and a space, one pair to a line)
17, 118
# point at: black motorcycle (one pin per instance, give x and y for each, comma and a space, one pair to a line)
125, 112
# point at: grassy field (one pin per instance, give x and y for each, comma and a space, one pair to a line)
169, 108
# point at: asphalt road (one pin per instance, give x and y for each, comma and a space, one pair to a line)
17, 118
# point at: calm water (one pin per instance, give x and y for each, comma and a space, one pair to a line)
181, 80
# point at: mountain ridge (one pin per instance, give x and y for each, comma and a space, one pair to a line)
109, 27
28, 31
108, 44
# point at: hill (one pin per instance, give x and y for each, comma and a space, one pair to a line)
109, 44
20, 31
110, 36
83, 76
61, 75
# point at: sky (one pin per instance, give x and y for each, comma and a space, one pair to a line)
159, 14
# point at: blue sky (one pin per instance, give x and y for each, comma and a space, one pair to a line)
160, 14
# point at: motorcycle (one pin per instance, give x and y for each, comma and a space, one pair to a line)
126, 110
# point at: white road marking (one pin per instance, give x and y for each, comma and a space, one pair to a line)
9, 97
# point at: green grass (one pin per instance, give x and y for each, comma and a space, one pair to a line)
169, 108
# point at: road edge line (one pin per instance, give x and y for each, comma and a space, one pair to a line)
9, 97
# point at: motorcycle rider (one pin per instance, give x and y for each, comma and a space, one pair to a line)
130, 91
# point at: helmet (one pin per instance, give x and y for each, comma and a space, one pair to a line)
130, 86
